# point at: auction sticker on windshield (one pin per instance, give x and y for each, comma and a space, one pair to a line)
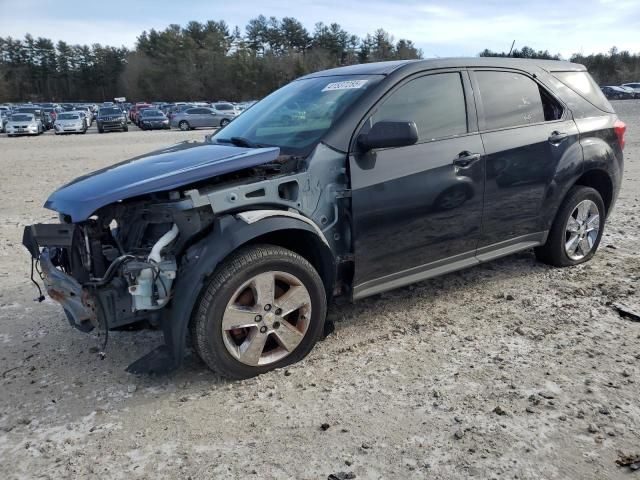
346, 85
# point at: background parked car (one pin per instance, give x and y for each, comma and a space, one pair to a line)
613, 92
25, 123
153, 119
201, 117
135, 111
179, 107
225, 108
634, 86
37, 111
111, 118
70, 122
4, 118
83, 116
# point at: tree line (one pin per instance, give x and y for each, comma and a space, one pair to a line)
200, 61
612, 68
210, 61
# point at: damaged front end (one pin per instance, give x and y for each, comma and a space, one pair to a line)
119, 266
142, 250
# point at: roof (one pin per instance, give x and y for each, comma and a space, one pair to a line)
385, 68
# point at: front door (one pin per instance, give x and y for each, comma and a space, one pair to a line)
418, 208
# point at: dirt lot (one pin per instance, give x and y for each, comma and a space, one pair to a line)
507, 370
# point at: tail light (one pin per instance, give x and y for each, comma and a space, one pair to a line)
620, 127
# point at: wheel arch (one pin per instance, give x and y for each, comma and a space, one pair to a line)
599, 180
230, 233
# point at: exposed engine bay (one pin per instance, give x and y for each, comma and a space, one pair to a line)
124, 257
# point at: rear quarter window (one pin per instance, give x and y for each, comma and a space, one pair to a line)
582, 84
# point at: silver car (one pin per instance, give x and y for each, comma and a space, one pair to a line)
24, 124
197, 117
83, 115
70, 122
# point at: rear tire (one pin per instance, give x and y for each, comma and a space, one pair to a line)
239, 291
184, 125
559, 248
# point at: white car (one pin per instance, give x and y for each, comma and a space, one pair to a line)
224, 108
70, 122
24, 124
83, 114
635, 87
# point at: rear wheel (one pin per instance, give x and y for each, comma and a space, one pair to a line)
577, 230
184, 125
263, 309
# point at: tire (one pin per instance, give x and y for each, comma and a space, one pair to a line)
125, 129
237, 274
555, 251
184, 125
224, 122
100, 130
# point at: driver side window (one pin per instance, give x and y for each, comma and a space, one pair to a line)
435, 103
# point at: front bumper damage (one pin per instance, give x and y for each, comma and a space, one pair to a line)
64, 289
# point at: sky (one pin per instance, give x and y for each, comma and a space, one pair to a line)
440, 28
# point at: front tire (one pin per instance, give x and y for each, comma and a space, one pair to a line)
224, 122
577, 230
264, 308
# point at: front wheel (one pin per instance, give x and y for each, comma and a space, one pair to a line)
577, 230
224, 122
184, 125
264, 308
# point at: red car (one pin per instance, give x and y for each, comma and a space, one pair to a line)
134, 113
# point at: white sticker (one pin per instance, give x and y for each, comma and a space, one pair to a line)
346, 85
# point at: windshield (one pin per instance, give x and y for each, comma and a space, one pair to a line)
296, 116
152, 113
109, 111
21, 117
68, 116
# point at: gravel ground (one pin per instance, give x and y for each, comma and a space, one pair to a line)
510, 369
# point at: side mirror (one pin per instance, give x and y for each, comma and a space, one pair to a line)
389, 134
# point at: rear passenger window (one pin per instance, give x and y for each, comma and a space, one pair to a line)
435, 103
512, 99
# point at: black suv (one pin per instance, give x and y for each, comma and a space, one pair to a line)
346, 182
111, 118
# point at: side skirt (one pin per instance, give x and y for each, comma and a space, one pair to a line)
448, 265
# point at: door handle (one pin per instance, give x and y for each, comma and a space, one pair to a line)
466, 159
557, 137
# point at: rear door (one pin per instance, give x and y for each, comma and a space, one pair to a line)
527, 133
418, 207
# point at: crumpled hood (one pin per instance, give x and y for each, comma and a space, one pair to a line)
158, 171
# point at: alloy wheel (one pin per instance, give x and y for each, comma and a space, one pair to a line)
581, 231
266, 318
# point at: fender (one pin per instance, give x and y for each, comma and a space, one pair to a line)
198, 264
